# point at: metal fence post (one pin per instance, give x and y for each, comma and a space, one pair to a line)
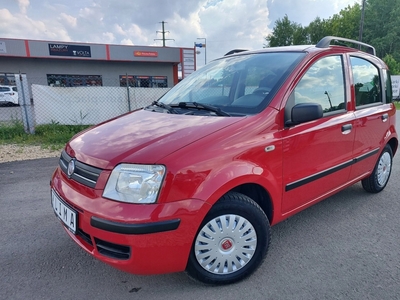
24, 100
127, 90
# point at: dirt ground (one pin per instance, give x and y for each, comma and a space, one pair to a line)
19, 152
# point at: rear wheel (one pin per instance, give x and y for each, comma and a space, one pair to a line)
377, 181
231, 242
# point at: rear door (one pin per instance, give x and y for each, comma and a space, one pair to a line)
372, 110
317, 154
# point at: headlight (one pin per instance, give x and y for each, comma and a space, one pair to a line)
134, 183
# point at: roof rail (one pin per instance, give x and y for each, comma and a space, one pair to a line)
326, 41
235, 51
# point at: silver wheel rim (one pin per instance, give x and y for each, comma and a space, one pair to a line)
383, 170
225, 244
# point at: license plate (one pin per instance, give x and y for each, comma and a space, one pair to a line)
64, 212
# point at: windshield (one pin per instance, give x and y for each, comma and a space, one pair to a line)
238, 85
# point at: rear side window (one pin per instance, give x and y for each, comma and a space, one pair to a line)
4, 89
367, 83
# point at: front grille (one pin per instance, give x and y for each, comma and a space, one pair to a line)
84, 236
83, 173
112, 250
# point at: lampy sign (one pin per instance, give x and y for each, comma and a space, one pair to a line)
69, 50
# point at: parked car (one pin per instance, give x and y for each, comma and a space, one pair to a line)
8, 95
195, 181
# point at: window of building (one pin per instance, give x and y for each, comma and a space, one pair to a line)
74, 80
143, 81
7, 79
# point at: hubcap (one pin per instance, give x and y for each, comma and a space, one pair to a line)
225, 244
383, 170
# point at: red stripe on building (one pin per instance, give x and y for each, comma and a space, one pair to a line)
108, 52
175, 72
28, 52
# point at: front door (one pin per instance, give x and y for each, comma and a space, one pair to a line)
317, 155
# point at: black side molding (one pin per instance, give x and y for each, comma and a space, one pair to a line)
144, 228
327, 172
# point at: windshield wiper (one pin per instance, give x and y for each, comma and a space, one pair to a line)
203, 106
164, 106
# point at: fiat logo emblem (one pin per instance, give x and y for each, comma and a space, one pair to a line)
71, 167
226, 244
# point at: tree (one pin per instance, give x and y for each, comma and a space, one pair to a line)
393, 65
347, 22
286, 33
317, 30
381, 27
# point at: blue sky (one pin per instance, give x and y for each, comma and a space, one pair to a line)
226, 24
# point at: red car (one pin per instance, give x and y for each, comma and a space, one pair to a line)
195, 180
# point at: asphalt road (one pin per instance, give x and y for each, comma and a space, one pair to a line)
346, 247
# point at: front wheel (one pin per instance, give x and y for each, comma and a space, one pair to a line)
231, 242
377, 181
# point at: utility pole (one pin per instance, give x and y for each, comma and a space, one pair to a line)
163, 34
362, 21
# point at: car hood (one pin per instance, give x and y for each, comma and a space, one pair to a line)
142, 137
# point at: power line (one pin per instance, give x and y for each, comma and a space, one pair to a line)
163, 34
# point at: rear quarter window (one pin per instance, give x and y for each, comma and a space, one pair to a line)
388, 86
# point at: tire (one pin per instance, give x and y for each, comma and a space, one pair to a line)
231, 243
377, 181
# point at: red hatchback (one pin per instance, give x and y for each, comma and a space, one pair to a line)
195, 180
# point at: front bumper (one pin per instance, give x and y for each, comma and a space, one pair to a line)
136, 238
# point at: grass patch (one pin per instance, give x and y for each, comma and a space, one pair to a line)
51, 136
397, 104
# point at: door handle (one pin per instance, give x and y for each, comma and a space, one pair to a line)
384, 117
346, 129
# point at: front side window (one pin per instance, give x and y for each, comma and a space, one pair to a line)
323, 84
366, 82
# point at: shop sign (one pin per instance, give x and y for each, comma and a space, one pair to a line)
145, 53
69, 50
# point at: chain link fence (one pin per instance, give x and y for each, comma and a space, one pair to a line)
80, 105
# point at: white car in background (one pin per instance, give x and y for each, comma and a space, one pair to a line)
8, 95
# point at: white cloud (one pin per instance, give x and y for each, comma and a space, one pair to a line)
126, 42
228, 27
69, 20
108, 37
19, 23
23, 5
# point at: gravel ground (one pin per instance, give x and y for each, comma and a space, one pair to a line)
19, 152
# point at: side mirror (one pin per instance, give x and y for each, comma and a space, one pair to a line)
304, 112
